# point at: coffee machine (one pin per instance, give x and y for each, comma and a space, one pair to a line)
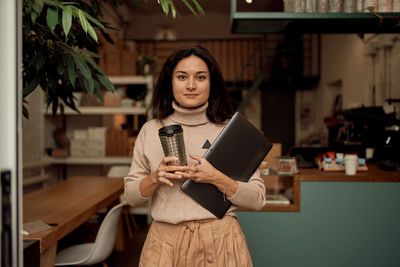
367, 127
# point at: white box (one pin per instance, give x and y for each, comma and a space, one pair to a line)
78, 147
97, 133
96, 148
80, 134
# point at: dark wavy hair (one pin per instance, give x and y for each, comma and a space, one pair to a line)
219, 103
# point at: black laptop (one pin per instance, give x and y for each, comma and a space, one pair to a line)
237, 152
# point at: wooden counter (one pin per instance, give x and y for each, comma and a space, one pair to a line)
374, 174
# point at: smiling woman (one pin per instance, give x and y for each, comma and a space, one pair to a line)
191, 82
190, 91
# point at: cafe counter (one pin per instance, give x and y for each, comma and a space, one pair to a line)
334, 220
373, 174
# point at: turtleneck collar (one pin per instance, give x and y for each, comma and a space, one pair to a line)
186, 116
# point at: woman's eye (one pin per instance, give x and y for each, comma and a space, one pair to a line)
181, 77
201, 77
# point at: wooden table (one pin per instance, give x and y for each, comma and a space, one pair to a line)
68, 204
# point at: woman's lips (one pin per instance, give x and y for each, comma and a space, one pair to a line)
191, 95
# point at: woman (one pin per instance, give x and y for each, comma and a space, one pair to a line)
190, 91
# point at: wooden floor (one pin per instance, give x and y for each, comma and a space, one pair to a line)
133, 247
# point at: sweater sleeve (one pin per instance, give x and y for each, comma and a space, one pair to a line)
250, 195
140, 168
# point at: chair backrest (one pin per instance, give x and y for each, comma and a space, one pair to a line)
118, 171
106, 236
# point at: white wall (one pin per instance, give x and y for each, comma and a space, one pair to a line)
10, 130
346, 68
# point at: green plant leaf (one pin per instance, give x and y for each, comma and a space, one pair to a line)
165, 6
173, 9
91, 32
99, 95
97, 87
60, 69
190, 7
32, 85
66, 19
40, 59
93, 64
52, 17
105, 81
83, 67
83, 20
71, 70
199, 8
34, 16
89, 53
95, 21
37, 5
89, 86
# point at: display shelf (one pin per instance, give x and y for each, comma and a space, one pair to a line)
122, 80
279, 22
91, 160
294, 205
102, 110
70, 121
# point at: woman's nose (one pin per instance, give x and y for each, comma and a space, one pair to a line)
191, 84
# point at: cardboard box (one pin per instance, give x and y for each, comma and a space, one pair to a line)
117, 143
273, 156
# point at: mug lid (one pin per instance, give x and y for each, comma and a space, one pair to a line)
170, 130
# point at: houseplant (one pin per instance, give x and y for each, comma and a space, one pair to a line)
60, 48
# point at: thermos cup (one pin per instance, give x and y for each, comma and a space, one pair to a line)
171, 138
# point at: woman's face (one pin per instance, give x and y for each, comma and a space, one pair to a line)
191, 82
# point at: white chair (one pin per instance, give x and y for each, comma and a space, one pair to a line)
118, 171
100, 250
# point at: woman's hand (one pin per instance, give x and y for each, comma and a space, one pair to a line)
165, 173
204, 172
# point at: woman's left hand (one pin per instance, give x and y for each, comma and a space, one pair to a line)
204, 172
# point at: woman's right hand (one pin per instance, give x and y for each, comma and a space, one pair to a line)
165, 173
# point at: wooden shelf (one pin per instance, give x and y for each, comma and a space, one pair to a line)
279, 22
102, 110
123, 80
91, 160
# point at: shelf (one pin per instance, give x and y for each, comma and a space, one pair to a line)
279, 22
102, 110
123, 80
91, 160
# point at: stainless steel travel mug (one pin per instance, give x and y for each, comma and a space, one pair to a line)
171, 138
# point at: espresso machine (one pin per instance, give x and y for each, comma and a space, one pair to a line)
368, 128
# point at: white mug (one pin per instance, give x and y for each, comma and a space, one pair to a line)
350, 164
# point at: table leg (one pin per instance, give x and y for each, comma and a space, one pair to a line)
120, 242
48, 257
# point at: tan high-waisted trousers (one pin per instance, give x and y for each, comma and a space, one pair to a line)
213, 242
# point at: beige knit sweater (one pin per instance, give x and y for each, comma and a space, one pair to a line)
171, 204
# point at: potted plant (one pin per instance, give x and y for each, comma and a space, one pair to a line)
60, 48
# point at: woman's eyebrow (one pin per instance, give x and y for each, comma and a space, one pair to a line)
199, 72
